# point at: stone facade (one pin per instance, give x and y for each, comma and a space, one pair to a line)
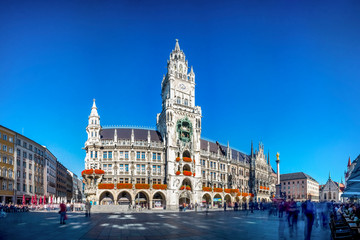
172, 165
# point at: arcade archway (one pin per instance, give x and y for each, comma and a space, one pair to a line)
159, 201
106, 198
124, 198
142, 200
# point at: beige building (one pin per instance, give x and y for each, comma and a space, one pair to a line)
30, 163
299, 186
7, 178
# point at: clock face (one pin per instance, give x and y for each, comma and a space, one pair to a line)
182, 86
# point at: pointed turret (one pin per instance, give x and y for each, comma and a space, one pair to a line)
349, 162
252, 149
94, 109
93, 128
115, 135
192, 74
228, 150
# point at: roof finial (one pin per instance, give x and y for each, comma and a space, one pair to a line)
177, 46
329, 175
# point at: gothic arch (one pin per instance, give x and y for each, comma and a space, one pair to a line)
187, 181
186, 167
186, 153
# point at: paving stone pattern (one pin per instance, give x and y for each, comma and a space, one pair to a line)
153, 225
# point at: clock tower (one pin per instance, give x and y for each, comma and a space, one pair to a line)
179, 124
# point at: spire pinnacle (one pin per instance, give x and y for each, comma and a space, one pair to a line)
94, 109
269, 157
349, 162
329, 175
177, 46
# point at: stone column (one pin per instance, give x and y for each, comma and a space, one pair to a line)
278, 168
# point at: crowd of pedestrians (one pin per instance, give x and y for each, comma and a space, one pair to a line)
9, 208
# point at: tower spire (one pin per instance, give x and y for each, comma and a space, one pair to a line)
329, 175
269, 157
349, 162
252, 149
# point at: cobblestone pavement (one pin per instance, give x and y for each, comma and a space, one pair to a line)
153, 225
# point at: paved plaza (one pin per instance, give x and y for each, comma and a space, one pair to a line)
153, 225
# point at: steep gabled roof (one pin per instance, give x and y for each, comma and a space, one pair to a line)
125, 134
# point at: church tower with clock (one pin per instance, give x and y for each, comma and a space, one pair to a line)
179, 124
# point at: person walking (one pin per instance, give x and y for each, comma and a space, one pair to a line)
224, 206
196, 206
62, 212
251, 205
310, 213
87, 208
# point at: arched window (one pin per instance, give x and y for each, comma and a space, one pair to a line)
186, 168
329, 195
10, 173
92, 134
5, 172
186, 102
334, 196
324, 196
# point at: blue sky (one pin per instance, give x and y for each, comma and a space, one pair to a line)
282, 72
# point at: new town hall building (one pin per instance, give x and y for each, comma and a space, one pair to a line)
172, 165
